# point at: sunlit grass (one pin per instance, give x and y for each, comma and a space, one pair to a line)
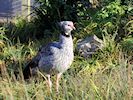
105, 76
87, 79
104, 84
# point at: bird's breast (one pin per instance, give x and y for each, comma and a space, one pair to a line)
64, 61
59, 61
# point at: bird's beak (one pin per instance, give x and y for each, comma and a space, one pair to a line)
73, 28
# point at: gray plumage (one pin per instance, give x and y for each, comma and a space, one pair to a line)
56, 56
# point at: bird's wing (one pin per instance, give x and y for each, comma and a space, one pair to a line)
31, 65
44, 51
50, 55
47, 53
49, 49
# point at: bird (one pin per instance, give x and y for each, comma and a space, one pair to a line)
55, 57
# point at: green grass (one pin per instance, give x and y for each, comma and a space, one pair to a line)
107, 75
104, 77
105, 84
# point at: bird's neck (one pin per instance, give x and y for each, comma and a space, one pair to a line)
66, 41
64, 34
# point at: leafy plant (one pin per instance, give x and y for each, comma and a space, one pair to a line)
129, 28
3, 37
127, 44
105, 76
21, 29
113, 16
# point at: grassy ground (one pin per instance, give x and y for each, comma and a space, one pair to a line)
105, 84
106, 76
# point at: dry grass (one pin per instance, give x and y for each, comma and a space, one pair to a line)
111, 82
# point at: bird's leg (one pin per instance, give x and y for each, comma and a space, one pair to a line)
49, 82
57, 82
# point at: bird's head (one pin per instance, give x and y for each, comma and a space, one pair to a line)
67, 27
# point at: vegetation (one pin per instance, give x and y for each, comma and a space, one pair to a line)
106, 76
